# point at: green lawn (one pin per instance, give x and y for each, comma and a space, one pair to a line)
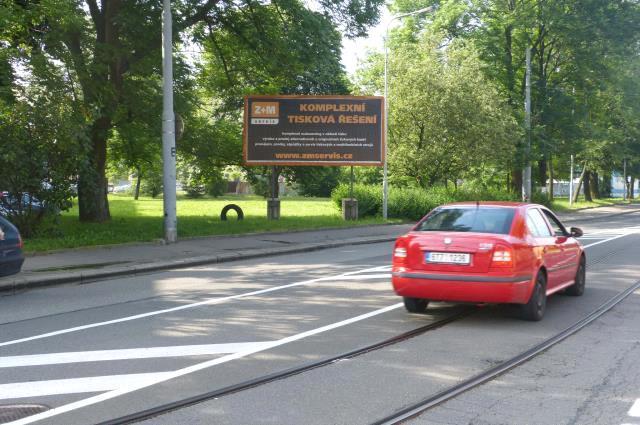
562, 204
134, 221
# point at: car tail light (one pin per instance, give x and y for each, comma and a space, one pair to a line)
502, 257
20, 242
400, 251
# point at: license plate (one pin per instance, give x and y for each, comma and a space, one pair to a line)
447, 257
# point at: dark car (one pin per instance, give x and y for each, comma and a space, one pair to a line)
26, 203
11, 256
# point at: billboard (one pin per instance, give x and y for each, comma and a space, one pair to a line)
313, 130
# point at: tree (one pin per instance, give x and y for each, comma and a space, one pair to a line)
42, 136
576, 47
105, 48
445, 116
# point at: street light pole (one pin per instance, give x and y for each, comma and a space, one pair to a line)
526, 181
625, 189
385, 183
168, 129
571, 183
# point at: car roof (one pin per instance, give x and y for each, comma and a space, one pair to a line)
508, 204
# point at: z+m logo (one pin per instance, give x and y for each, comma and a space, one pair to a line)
265, 113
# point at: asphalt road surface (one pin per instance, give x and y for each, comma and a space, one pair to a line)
96, 352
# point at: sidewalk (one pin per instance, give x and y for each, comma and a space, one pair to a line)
90, 264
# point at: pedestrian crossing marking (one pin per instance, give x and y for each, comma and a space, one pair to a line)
127, 354
75, 385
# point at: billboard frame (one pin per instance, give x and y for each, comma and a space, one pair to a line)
245, 136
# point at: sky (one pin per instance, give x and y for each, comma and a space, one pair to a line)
356, 49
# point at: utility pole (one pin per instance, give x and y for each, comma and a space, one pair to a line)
625, 189
168, 130
526, 173
571, 183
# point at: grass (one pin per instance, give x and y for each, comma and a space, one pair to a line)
137, 221
562, 204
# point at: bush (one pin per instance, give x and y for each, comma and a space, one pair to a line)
216, 187
369, 198
151, 183
412, 203
41, 151
194, 189
538, 197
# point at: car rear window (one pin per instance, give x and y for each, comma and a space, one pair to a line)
469, 219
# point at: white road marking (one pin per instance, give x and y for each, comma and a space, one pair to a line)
209, 301
75, 385
127, 354
635, 409
134, 386
150, 380
363, 277
608, 240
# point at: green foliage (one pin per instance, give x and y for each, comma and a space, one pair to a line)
259, 178
445, 116
41, 138
107, 55
369, 198
151, 184
314, 181
412, 203
215, 184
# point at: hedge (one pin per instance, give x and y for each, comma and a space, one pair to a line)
411, 203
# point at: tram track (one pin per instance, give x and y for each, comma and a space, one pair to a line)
412, 410
249, 384
430, 402
416, 409
252, 383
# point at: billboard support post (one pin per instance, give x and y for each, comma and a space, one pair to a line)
351, 184
350, 205
273, 203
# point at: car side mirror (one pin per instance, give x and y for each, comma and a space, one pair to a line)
576, 232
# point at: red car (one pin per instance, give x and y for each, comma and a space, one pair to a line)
488, 252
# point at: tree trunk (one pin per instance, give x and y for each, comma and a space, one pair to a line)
516, 180
550, 185
138, 180
587, 186
580, 180
93, 205
632, 184
542, 172
595, 186
605, 186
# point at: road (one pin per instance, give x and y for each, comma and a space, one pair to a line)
95, 352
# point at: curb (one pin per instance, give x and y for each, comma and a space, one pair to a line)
25, 283
604, 216
155, 242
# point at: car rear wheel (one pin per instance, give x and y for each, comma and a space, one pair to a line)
415, 305
534, 309
577, 288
